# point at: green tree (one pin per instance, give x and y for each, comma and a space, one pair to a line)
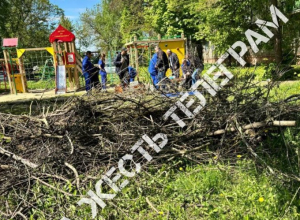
66, 23
4, 8
102, 25
32, 21
132, 18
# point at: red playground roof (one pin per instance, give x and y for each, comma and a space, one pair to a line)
10, 42
61, 34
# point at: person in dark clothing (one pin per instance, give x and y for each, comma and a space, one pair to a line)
198, 67
122, 63
132, 73
87, 70
95, 76
162, 64
187, 73
174, 63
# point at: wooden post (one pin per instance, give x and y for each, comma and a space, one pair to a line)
60, 61
149, 51
11, 84
131, 60
71, 72
55, 51
23, 75
69, 50
72, 47
76, 76
66, 47
136, 58
159, 37
71, 82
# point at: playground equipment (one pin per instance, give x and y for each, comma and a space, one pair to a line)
34, 60
15, 71
40, 64
67, 59
176, 44
26, 65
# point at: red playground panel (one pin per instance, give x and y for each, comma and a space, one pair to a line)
61, 34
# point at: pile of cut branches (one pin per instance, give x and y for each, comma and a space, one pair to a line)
88, 134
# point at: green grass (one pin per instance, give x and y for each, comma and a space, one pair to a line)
45, 84
240, 188
285, 89
211, 191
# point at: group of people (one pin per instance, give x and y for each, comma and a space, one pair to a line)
159, 65
90, 72
125, 72
161, 62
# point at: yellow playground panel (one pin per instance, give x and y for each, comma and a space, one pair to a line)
18, 83
176, 44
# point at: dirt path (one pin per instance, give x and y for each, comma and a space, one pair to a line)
8, 98
36, 95
20, 97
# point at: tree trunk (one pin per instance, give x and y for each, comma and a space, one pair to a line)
278, 39
296, 49
199, 48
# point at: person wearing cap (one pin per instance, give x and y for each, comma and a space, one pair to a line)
122, 63
174, 63
87, 70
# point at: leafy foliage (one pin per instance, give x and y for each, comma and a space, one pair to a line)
102, 25
31, 21
66, 23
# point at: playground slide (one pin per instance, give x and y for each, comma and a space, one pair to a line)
61, 80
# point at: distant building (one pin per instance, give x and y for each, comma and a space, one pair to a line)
262, 57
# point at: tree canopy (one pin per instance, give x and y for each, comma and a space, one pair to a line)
222, 22
31, 21
111, 23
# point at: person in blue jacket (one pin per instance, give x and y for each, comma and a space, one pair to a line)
132, 73
102, 71
87, 70
152, 70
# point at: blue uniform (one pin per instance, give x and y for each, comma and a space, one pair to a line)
132, 73
87, 67
152, 70
185, 68
103, 74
